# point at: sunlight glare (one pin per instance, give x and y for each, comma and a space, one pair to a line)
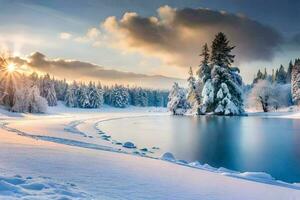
11, 68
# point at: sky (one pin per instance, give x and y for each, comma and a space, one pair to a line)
148, 43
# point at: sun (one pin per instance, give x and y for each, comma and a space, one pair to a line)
11, 68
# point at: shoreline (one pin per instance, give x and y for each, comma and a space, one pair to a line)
65, 119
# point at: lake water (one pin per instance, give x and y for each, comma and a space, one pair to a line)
270, 145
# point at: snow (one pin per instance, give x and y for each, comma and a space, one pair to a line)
39, 188
129, 145
64, 146
168, 157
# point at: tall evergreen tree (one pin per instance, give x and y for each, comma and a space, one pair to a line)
221, 51
281, 75
295, 83
82, 97
47, 90
265, 75
95, 96
71, 95
119, 97
204, 68
223, 94
9, 91
193, 95
289, 73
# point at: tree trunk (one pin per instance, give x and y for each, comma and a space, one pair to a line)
264, 104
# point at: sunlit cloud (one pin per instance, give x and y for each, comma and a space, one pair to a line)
85, 71
65, 36
93, 36
176, 35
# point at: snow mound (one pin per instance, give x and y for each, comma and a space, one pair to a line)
41, 188
129, 145
168, 157
256, 176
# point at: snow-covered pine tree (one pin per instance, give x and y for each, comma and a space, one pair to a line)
34, 78
204, 68
193, 93
259, 76
9, 91
140, 97
177, 104
150, 97
60, 87
71, 96
95, 96
223, 93
295, 82
37, 104
289, 73
82, 97
119, 97
21, 97
48, 91
281, 75
158, 99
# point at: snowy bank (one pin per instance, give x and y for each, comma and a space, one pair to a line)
42, 147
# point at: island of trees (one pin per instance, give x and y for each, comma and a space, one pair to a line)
218, 88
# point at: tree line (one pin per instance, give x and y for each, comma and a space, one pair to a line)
33, 93
279, 89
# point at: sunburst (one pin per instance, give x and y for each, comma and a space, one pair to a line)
11, 68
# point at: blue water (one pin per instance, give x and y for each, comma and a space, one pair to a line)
270, 145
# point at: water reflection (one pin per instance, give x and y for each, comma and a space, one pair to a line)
237, 143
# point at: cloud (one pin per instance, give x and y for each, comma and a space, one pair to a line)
93, 35
85, 71
176, 35
65, 36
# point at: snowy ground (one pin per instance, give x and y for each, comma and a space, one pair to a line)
60, 155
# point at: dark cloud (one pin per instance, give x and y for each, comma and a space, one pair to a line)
84, 71
176, 35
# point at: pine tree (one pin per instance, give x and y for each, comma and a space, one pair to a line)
95, 96
71, 96
231, 103
37, 104
225, 80
47, 90
265, 75
139, 97
273, 76
295, 82
281, 75
60, 87
193, 95
177, 103
82, 97
221, 51
204, 68
119, 97
9, 92
289, 73
259, 76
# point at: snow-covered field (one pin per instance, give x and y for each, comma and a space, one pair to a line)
62, 155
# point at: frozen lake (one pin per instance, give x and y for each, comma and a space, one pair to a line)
270, 145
